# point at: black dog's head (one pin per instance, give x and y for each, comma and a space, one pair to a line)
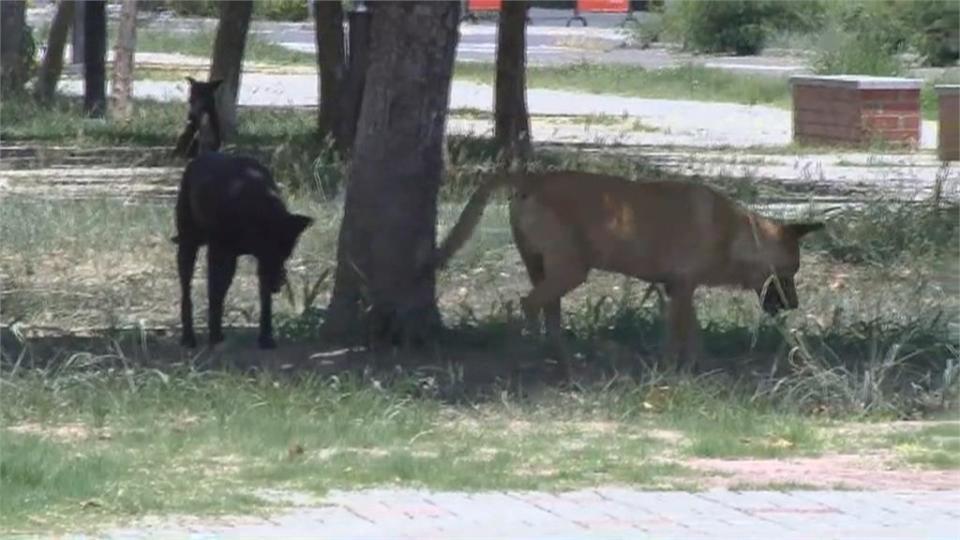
202, 98
287, 232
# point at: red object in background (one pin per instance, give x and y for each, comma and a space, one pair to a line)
602, 6
484, 5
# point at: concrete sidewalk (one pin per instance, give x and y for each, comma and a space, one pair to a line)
588, 514
675, 122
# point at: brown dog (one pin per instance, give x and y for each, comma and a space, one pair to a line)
677, 234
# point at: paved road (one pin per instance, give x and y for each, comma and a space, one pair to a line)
603, 513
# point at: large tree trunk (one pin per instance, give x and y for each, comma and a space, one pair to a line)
52, 64
227, 60
121, 105
331, 64
12, 66
512, 123
95, 58
389, 224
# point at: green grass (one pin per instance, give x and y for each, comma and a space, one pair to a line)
686, 82
199, 42
935, 447
83, 448
95, 440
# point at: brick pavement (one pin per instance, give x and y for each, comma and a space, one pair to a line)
602, 513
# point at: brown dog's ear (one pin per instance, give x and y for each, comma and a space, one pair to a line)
798, 230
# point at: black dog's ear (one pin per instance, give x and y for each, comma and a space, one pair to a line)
191, 80
801, 229
215, 84
297, 224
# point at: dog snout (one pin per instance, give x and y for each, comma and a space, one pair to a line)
780, 294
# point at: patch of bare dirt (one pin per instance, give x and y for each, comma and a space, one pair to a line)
865, 472
62, 432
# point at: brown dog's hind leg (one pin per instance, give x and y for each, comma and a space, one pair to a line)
562, 274
551, 310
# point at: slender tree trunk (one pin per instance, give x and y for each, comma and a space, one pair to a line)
331, 64
352, 90
52, 64
121, 104
389, 224
512, 123
76, 53
227, 60
12, 23
95, 58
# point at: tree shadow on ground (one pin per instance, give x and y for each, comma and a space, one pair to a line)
470, 362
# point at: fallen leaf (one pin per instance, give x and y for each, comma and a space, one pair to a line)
295, 450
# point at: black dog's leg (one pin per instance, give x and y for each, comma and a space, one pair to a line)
221, 266
186, 259
266, 317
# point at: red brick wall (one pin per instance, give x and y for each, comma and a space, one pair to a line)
891, 115
848, 115
948, 144
825, 114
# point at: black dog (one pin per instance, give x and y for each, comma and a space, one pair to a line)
232, 205
202, 130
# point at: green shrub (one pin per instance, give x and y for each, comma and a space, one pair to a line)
936, 33
194, 8
841, 52
738, 26
273, 10
874, 31
281, 10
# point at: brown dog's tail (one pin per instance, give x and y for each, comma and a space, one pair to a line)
469, 219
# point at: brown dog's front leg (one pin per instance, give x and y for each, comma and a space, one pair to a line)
682, 337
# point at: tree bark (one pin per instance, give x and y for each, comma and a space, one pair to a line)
121, 105
13, 21
95, 58
331, 65
389, 224
511, 121
227, 62
52, 65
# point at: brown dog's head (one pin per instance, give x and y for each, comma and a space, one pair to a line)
778, 262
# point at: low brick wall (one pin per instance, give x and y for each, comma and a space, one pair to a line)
948, 138
855, 110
